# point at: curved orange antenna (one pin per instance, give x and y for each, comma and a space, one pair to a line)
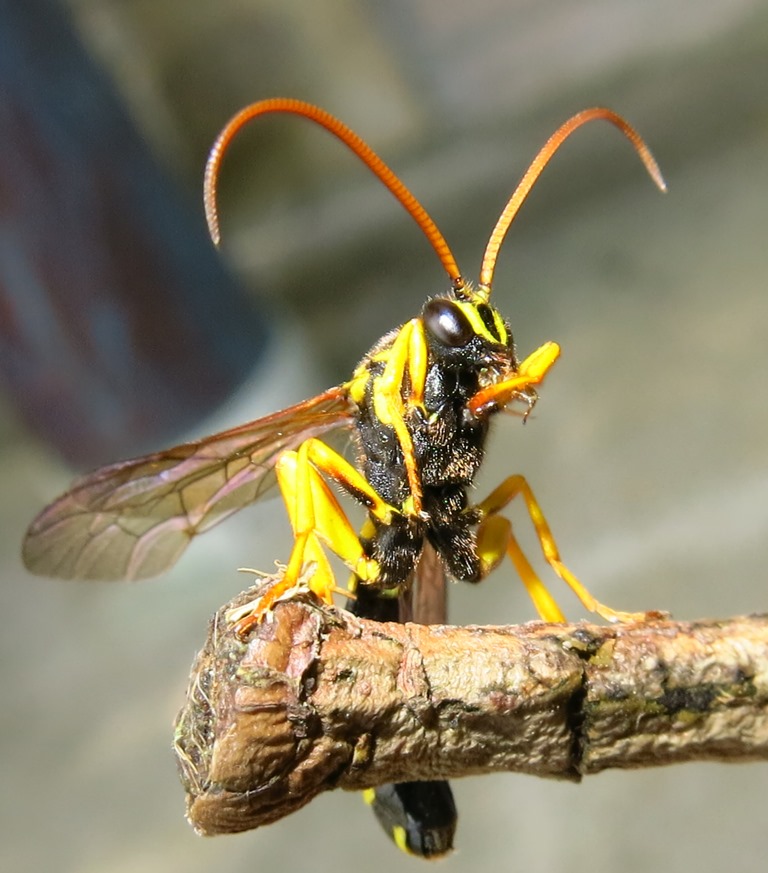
366, 154
534, 171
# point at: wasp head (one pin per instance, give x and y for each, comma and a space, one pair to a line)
470, 334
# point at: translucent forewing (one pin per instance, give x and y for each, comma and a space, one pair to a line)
134, 519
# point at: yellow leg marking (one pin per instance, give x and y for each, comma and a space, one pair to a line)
317, 455
314, 509
326, 514
327, 519
494, 503
387, 396
246, 616
531, 372
494, 540
318, 520
544, 602
537, 364
366, 532
408, 351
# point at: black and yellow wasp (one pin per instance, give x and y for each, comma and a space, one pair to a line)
419, 406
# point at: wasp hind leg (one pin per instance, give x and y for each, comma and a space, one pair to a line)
319, 522
495, 539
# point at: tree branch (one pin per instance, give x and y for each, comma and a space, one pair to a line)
317, 699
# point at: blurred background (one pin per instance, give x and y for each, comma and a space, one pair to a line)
123, 331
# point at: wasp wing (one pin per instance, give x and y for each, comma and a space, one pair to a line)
133, 519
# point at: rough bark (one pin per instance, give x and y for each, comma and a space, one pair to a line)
316, 699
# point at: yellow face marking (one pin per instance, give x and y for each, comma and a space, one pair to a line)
478, 325
501, 328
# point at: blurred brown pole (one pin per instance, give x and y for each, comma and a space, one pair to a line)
119, 326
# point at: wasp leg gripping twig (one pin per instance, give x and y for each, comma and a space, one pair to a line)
319, 699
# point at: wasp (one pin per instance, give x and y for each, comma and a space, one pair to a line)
418, 406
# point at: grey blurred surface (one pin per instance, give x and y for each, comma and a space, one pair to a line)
108, 283
647, 450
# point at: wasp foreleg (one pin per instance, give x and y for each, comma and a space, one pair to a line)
408, 355
531, 372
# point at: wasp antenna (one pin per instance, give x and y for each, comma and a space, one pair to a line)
332, 124
462, 289
535, 169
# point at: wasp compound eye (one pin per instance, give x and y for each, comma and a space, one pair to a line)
447, 323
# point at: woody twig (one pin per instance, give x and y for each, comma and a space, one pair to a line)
316, 699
